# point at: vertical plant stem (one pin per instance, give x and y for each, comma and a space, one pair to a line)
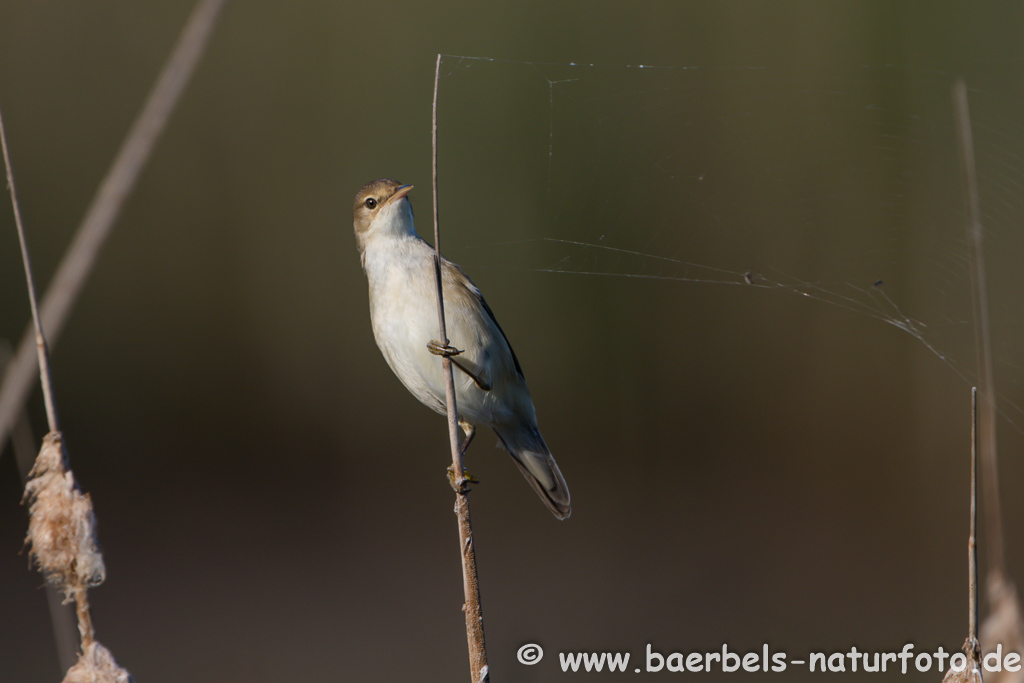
446, 363
479, 671
972, 547
42, 353
81, 601
983, 343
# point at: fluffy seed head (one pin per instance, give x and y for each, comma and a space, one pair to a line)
61, 528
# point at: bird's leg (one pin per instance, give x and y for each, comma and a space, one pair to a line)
467, 477
443, 350
470, 431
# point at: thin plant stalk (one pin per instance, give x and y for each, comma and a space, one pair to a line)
972, 546
479, 670
61, 525
101, 215
971, 671
42, 353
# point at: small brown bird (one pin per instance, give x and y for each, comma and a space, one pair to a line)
490, 388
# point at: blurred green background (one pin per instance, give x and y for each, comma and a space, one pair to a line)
747, 464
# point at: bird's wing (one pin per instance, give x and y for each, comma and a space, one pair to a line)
457, 276
494, 320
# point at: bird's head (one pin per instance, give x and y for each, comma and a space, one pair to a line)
382, 209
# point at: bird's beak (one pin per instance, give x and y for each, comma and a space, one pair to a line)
400, 192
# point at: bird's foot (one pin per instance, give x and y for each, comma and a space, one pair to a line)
443, 350
467, 478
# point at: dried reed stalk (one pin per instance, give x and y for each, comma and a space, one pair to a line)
479, 670
971, 673
62, 527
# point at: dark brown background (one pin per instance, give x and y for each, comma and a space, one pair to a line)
747, 464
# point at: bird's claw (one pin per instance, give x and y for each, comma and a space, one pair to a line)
467, 478
443, 350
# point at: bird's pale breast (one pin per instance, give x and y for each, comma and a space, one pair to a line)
403, 311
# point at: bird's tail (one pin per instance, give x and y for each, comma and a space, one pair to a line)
531, 455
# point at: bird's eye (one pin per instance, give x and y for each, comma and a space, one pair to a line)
371, 203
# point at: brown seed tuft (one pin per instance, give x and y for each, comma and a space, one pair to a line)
61, 530
96, 665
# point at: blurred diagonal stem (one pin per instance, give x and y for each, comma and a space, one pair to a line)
983, 342
479, 671
92, 233
1004, 625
